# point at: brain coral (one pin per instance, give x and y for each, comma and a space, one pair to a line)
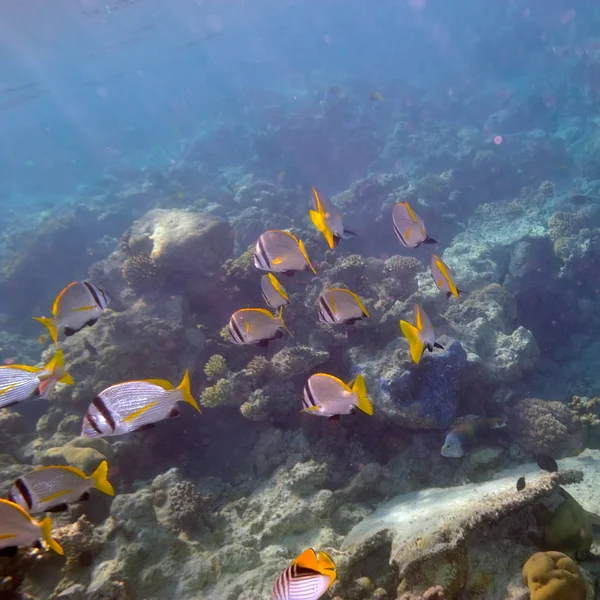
553, 576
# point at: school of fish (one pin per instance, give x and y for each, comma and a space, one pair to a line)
137, 405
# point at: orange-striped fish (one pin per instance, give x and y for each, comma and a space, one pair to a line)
443, 277
420, 336
279, 251
409, 227
307, 578
328, 220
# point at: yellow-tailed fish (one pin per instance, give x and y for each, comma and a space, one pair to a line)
19, 528
340, 306
328, 396
256, 326
54, 488
21, 382
279, 251
376, 96
328, 220
443, 277
466, 436
409, 227
307, 578
77, 306
135, 405
273, 292
420, 336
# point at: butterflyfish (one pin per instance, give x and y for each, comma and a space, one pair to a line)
420, 336
19, 528
256, 326
443, 277
409, 227
461, 440
134, 406
22, 382
279, 251
54, 488
273, 292
308, 577
78, 305
328, 220
340, 306
328, 396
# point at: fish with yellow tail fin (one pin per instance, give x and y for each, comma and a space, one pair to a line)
443, 277
54, 488
19, 528
279, 251
273, 292
340, 306
78, 305
409, 227
328, 396
328, 220
134, 406
308, 577
22, 382
256, 326
420, 336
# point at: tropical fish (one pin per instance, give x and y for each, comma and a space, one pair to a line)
328, 396
340, 306
18, 528
308, 577
54, 488
443, 277
77, 306
521, 483
546, 463
21, 382
420, 336
135, 405
409, 227
256, 326
273, 292
328, 220
279, 251
464, 437
376, 96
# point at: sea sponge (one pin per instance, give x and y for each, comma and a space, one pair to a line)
553, 576
140, 272
216, 367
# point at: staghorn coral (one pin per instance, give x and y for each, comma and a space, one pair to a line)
217, 394
256, 407
553, 576
215, 367
140, 272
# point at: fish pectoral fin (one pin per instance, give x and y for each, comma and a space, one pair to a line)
310, 409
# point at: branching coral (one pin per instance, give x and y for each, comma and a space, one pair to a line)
215, 367
217, 394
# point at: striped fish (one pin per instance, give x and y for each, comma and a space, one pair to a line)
328, 220
340, 306
77, 306
135, 405
273, 292
409, 227
279, 251
327, 396
420, 336
443, 277
307, 578
256, 326
22, 382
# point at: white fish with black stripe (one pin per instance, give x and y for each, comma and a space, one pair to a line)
308, 577
77, 306
340, 306
279, 251
409, 227
327, 218
273, 292
256, 326
135, 405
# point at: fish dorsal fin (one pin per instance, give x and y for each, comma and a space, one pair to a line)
418, 317
163, 383
278, 287
446, 275
56, 304
280, 317
308, 560
359, 302
18, 509
68, 468
415, 218
23, 368
305, 255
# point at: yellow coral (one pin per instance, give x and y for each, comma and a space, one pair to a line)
215, 395
215, 367
553, 576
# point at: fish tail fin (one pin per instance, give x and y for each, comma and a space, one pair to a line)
50, 325
56, 366
280, 317
360, 389
185, 389
46, 527
411, 333
100, 479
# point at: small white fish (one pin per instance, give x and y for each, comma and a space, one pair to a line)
340, 306
420, 336
279, 251
328, 220
328, 396
22, 382
409, 227
53, 488
308, 577
18, 528
135, 405
273, 292
443, 277
256, 326
78, 305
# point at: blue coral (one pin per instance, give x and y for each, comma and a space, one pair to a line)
432, 386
